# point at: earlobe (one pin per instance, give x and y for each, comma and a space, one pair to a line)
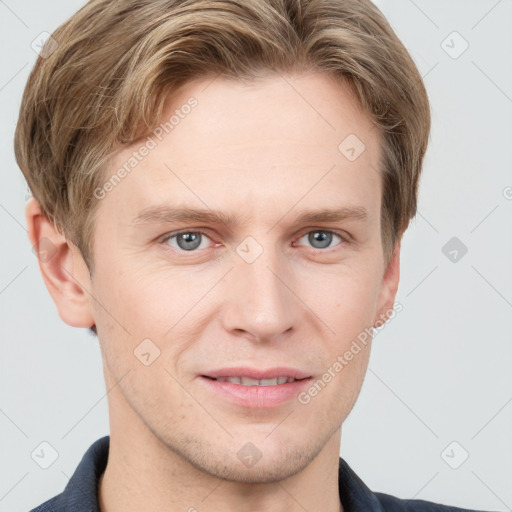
63, 269
389, 287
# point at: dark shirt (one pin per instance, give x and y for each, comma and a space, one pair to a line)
81, 492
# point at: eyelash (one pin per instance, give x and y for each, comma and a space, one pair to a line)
165, 239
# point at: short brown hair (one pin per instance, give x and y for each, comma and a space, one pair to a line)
117, 61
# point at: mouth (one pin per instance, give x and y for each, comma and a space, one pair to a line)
256, 389
248, 376
248, 381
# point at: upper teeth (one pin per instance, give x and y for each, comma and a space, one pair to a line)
247, 381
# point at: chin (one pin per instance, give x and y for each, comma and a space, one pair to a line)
250, 463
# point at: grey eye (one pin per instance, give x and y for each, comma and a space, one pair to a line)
320, 239
187, 240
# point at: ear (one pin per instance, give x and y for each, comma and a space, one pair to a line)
389, 287
63, 269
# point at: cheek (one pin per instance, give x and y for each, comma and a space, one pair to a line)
157, 312
145, 304
345, 299
346, 304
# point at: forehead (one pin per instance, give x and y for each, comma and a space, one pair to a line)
227, 143
305, 107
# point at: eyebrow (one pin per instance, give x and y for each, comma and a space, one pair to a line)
169, 214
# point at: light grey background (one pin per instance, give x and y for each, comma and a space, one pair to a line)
439, 372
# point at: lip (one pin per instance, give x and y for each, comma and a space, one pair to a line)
256, 397
255, 373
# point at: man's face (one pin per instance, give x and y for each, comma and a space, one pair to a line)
261, 292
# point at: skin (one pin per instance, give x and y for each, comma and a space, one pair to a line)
174, 442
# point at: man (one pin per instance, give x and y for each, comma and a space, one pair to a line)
224, 187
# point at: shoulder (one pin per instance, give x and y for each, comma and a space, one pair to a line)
54, 504
356, 496
392, 504
81, 492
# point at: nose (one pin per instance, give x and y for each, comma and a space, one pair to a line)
260, 302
